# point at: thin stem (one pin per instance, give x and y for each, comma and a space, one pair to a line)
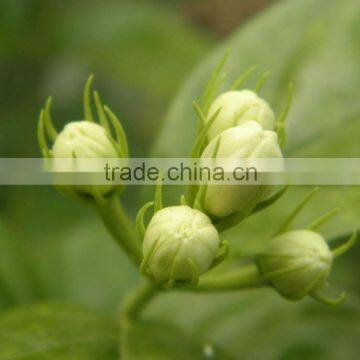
120, 227
246, 277
136, 301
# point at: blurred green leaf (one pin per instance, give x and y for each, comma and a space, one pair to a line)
64, 253
52, 331
320, 54
86, 266
312, 53
261, 325
16, 275
154, 340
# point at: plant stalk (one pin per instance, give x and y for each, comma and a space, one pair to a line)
246, 277
120, 227
137, 300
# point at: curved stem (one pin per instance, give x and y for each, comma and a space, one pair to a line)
120, 227
137, 300
246, 277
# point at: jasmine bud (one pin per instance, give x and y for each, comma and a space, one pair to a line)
180, 244
246, 141
238, 107
296, 263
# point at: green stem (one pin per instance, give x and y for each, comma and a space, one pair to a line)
243, 278
120, 227
136, 301
240, 279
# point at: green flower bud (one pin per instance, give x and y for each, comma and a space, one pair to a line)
238, 107
296, 263
246, 141
180, 244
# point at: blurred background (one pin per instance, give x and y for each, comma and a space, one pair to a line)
141, 52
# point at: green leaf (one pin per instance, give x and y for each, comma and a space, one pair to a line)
160, 340
53, 255
17, 281
261, 325
57, 332
310, 52
67, 270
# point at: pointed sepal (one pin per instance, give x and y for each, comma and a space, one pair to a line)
119, 131
281, 132
87, 102
289, 220
216, 80
140, 224
42, 137
243, 77
342, 249
158, 200
223, 253
261, 82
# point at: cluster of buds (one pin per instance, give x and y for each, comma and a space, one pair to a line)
183, 242
84, 139
237, 125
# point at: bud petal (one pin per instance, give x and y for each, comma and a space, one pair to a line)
296, 263
84, 139
237, 107
180, 243
245, 141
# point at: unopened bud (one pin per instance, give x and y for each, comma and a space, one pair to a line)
247, 141
84, 139
238, 107
180, 244
296, 263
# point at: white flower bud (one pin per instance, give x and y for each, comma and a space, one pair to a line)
246, 141
84, 139
180, 243
296, 263
237, 107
